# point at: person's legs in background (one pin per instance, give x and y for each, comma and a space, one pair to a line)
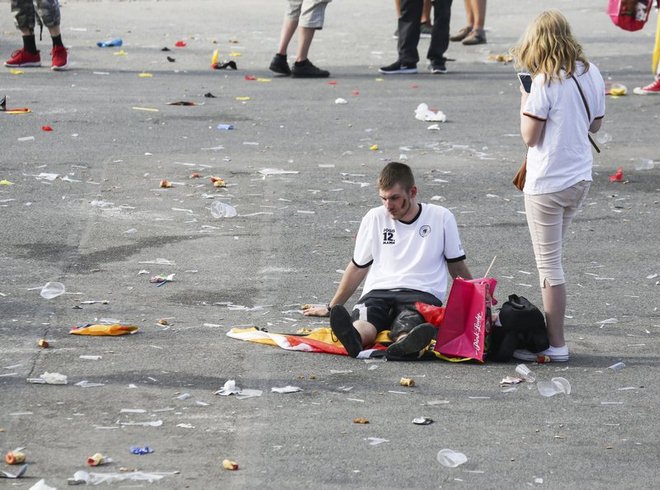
426, 28
311, 20
306, 17
653, 88
425, 19
473, 33
24, 19
409, 31
440, 38
477, 19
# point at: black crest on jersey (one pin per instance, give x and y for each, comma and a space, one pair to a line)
424, 231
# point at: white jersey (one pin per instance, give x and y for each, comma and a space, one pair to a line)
408, 255
563, 155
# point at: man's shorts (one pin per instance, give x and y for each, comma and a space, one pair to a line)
308, 13
380, 307
23, 12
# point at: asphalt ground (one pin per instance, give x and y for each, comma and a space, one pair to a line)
104, 218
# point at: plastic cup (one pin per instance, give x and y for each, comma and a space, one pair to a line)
562, 384
222, 210
526, 373
52, 290
618, 366
451, 458
554, 387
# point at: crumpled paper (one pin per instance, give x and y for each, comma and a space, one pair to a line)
230, 388
423, 113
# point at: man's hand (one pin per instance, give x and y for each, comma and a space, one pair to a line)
315, 310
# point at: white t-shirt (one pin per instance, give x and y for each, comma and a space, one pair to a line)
563, 155
408, 255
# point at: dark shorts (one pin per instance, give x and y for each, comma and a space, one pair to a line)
381, 307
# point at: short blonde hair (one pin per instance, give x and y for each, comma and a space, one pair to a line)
547, 47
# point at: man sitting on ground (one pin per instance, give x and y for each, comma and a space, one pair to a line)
405, 250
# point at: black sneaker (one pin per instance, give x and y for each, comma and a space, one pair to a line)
438, 67
425, 30
398, 68
410, 346
342, 327
280, 65
305, 69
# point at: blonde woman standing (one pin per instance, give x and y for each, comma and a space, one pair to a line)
554, 123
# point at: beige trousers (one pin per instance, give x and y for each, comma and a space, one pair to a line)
548, 217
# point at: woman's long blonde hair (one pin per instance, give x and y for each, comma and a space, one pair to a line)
548, 47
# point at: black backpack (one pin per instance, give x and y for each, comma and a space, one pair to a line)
523, 327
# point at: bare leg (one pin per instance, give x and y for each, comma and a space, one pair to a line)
367, 332
469, 13
478, 14
554, 304
426, 12
305, 36
288, 30
397, 7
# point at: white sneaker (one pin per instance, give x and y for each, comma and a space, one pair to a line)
551, 354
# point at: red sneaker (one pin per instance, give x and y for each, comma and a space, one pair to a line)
22, 59
651, 89
60, 58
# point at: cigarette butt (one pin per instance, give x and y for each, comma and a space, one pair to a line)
14, 457
230, 465
95, 459
407, 382
43, 343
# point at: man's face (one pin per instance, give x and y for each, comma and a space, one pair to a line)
397, 200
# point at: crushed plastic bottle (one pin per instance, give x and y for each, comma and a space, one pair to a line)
141, 450
49, 379
618, 366
52, 290
526, 373
554, 387
222, 210
80, 477
21, 471
644, 165
111, 43
42, 485
451, 458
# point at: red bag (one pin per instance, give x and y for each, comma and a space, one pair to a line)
629, 15
432, 314
466, 319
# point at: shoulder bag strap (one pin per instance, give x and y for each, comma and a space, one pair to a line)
586, 106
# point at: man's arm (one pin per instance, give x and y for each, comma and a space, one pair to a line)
459, 269
353, 276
